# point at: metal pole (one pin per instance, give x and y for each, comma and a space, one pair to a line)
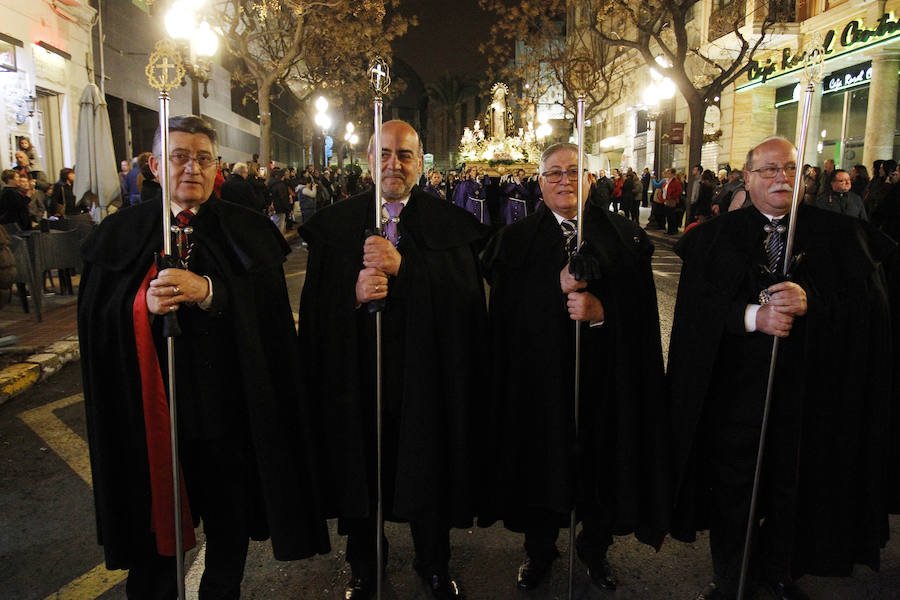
100, 35
380, 80
170, 341
788, 251
579, 123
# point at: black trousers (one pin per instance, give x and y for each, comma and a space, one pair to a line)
591, 543
431, 540
732, 467
217, 474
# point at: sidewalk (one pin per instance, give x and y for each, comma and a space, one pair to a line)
42, 348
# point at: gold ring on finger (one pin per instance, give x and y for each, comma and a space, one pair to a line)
175, 291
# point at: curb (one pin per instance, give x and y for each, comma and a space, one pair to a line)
20, 377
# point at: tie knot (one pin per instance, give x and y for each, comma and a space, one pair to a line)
569, 226
184, 217
775, 225
393, 208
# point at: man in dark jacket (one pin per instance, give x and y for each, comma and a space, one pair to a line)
238, 190
601, 192
618, 481
434, 321
245, 465
13, 201
840, 199
822, 504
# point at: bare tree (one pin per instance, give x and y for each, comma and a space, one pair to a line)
701, 71
557, 49
304, 45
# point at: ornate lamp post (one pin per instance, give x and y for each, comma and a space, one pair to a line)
197, 41
660, 89
351, 138
323, 121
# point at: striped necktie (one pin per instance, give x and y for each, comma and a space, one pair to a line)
570, 232
775, 244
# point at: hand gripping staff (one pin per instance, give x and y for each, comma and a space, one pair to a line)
380, 79
159, 73
814, 70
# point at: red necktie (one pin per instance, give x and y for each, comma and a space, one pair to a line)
183, 219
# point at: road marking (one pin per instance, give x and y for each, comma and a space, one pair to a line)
92, 584
70, 447
67, 444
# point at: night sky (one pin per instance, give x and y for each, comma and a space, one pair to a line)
446, 38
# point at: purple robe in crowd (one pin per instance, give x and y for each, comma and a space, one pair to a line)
469, 195
434, 191
517, 201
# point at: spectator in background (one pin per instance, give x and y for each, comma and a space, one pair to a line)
132, 187
35, 170
705, 191
150, 188
281, 198
840, 199
14, 201
123, 173
859, 180
645, 185
62, 198
220, 178
811, 184
671, 195
237, 189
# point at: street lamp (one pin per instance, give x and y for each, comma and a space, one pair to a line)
323, 121
660, 89
183, 23
351, 138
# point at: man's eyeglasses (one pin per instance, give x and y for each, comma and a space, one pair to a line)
556, 175
770, 172
182, 158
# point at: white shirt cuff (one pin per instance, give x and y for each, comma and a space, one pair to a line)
206, 302
750, 317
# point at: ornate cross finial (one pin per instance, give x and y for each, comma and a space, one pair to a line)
582, 73
814, 62
379, 76
165, 71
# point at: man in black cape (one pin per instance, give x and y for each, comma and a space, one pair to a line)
615, 472
822, 504
434, 320
246, 469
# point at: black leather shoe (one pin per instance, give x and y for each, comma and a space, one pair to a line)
359, 589
443, 588
602, 576
532, 573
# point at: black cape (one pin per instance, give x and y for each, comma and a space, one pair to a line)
116, 259
621, 453
839, 375
431, 438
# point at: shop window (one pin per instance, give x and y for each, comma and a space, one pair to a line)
786, 120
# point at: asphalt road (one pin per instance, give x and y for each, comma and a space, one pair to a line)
48, 545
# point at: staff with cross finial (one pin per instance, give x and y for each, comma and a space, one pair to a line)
158, 74
380, 80
814, 71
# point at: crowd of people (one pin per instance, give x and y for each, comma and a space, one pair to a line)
477, 413
28, 196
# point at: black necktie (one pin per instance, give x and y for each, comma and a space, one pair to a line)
775, 244
570, 232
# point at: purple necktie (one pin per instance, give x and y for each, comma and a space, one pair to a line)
390, 228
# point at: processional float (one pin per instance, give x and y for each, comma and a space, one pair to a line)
813, 70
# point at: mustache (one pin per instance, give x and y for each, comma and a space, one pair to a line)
781, 187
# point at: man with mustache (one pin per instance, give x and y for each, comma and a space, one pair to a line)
426, 273
822, 495
246, 469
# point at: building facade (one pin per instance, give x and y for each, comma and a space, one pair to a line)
854, 111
